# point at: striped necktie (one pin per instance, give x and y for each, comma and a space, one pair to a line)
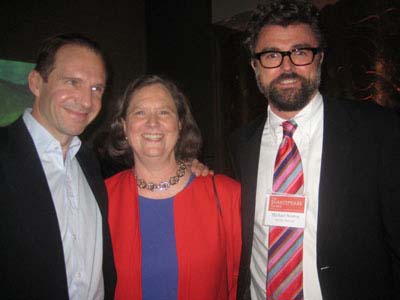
285, 251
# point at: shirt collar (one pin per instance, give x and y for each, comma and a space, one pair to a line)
303, 118
44, 141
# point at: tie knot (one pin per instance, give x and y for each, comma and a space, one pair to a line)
289, 127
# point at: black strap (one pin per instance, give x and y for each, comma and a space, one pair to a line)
216, 196
223, 227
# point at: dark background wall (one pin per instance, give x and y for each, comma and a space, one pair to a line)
118, 27
362, 59
179, 45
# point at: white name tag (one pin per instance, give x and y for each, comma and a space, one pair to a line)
285, 210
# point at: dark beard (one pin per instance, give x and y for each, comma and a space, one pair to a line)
290, 99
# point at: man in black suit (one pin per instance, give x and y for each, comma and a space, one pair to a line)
350, 159
55, 241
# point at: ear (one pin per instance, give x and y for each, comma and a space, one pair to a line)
35, 82
253, 64
123, 125
180, 125
123, 122
322, 58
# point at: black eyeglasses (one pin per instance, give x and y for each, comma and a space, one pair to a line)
299, 57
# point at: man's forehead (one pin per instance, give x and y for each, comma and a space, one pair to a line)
75, 57
277, 36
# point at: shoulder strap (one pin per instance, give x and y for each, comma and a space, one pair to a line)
216, 196
223, 228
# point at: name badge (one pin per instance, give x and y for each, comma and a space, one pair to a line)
285, 210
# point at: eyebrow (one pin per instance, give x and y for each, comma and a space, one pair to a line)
101, 85
71, 77
143, 106
303, 45
296, 46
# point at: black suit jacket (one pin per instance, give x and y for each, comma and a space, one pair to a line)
31, 252
358, 238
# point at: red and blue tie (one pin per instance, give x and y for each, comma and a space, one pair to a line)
285, 244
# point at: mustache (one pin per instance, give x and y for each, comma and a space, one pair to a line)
77, 107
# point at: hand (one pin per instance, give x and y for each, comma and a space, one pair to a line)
199, 169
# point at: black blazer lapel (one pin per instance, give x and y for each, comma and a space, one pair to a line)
31, 207
249, 172
335, 180
245, 148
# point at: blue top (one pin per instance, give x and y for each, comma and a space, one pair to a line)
159, 259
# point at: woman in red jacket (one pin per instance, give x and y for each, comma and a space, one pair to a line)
174, 235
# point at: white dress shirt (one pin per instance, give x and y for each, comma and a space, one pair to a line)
308, 137
78, 215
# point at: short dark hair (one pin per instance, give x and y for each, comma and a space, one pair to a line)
49, 47
189, 141
283, 13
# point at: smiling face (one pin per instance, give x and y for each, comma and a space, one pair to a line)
288, 88
152, 124
70, 98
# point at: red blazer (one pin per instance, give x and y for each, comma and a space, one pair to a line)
208, 244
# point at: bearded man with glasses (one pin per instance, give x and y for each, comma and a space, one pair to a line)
320, 195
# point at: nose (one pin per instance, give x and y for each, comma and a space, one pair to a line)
152, 119
85, 99
287, 64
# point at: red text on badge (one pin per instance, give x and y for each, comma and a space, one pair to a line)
286, 203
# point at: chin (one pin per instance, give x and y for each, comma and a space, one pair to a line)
154, 154
75, 131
